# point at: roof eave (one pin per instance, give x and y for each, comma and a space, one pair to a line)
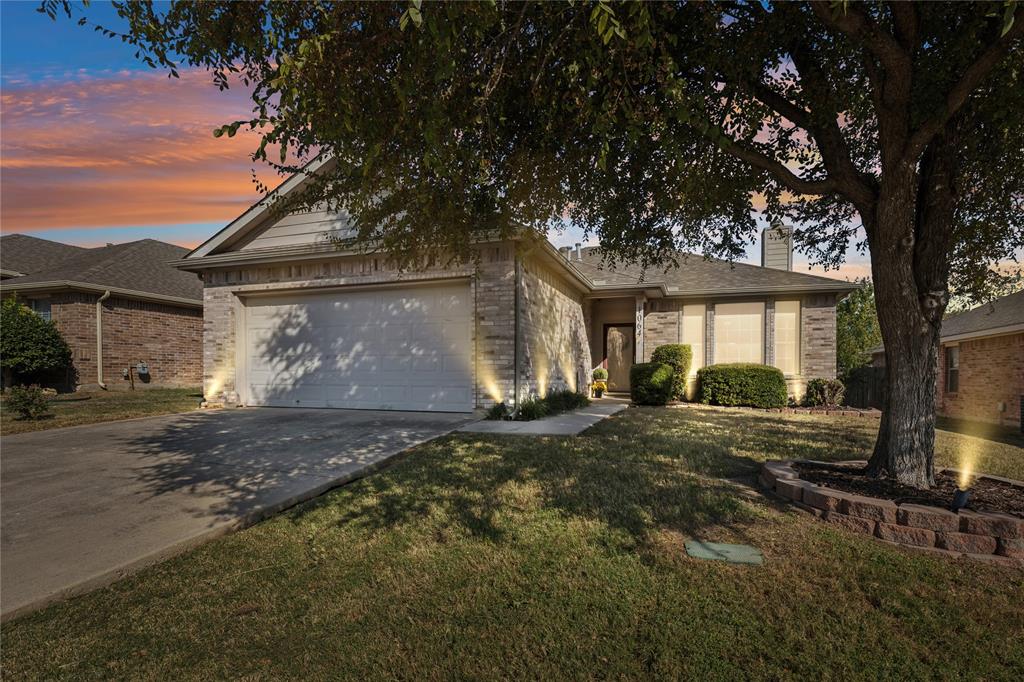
99, 289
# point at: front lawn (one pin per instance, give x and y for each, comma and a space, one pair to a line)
74, 409
490, 557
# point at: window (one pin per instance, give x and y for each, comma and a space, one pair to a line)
952, 369
787, 336
41, 306
693, 334
739, 332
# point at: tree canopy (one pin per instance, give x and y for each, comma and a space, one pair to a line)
655, 127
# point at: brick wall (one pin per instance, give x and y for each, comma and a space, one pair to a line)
991, 372
818, 336
554, 349
661, 324
167, 338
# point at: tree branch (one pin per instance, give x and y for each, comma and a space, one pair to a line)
852, 21
905, 19
779, 171
972, 77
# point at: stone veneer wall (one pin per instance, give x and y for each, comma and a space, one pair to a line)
991, 372
492, 283
167, 338
554, 350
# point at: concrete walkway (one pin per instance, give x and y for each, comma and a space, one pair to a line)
86, 505
565, 424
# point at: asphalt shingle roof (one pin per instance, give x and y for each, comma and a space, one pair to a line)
697, 274
138, 266
1002, 312
25, 254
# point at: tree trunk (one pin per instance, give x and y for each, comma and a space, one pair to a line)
909, 239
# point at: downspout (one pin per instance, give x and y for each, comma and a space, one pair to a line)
515, 335
99, 338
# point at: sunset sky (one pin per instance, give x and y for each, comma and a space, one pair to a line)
98, 148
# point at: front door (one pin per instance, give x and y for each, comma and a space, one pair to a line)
618, 352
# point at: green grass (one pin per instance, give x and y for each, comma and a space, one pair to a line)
552, 558
92, 407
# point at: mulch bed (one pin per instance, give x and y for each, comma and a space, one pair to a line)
986, 494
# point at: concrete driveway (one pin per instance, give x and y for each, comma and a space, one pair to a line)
82, 506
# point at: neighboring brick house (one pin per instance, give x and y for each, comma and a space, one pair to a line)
981, 363
295, 319
117, 306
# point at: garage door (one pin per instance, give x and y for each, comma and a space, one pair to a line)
389, 349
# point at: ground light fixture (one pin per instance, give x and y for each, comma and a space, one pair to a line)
960, 500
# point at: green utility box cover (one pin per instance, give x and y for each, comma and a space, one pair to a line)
720, 551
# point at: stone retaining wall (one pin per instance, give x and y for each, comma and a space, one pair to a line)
986, 536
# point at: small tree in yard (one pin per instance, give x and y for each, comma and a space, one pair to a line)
29, 345
857, 331
657, 127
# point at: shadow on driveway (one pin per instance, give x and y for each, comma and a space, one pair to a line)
85, 505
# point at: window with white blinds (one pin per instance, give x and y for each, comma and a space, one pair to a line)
787, 336
739, 332
693, 334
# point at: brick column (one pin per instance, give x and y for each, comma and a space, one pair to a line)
769, 332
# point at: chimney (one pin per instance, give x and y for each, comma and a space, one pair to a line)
777, 247
565, 251
579, 251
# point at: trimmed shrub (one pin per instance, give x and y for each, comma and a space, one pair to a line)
742, 384
29, 345
28, 401
600, 374
824, 393
679, 356
650, 383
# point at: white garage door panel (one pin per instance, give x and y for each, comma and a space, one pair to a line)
401, 349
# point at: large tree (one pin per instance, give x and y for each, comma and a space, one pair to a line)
659, 128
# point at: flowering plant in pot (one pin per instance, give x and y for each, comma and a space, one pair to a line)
600, 384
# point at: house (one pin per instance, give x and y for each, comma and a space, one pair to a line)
981, 363
118, 306
294, 319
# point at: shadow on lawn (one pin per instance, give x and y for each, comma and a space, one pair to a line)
637, 475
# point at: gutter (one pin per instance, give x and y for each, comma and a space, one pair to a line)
99, 339
100, 289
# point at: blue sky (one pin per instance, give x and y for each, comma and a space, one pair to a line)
99, 148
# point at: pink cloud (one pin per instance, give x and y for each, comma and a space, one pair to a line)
124, 149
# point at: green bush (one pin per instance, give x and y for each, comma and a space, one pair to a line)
600, 374
530, 409
29, 345
650, 383
565, 400
824, 393
679, 356
742, 384
497, 411
28, 401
